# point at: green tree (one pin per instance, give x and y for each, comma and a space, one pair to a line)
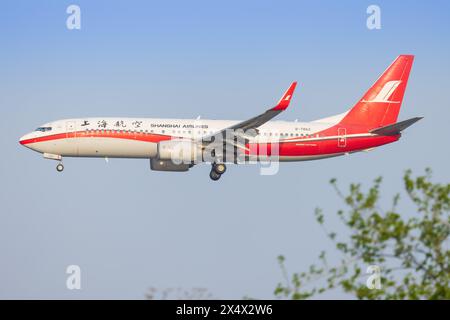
411, 249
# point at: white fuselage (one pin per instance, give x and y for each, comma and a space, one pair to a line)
138, 137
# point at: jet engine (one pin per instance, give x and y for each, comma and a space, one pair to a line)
176, 155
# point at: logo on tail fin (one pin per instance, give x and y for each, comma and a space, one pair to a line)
386, 92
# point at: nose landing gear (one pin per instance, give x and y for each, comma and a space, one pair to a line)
59, 167
56, 157
217, 169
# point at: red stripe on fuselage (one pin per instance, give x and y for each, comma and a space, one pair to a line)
319, 147
147, 137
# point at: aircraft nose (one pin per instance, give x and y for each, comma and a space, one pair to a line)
25, 139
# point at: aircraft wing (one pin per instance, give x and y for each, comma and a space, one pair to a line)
240, 128
259, 120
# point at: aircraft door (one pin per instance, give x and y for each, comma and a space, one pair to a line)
70, 144
70, 129
342, 137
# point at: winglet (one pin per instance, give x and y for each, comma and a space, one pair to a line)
286, 98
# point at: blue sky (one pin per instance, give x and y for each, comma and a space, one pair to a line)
129, 228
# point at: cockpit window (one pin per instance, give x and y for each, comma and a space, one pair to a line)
44, 129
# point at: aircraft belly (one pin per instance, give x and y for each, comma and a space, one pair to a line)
67, 147
115, 148
97, 147
307, 158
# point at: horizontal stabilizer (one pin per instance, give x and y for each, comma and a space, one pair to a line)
396, 128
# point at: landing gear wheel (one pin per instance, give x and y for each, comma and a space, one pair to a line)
220, 168
214, 175
59, 167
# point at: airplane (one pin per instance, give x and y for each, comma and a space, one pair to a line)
179, 144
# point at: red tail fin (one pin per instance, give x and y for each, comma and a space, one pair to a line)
381, 103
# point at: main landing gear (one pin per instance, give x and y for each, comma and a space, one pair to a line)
60, 167
217, 169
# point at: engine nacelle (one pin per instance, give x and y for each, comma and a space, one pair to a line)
179, 151
168, 165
